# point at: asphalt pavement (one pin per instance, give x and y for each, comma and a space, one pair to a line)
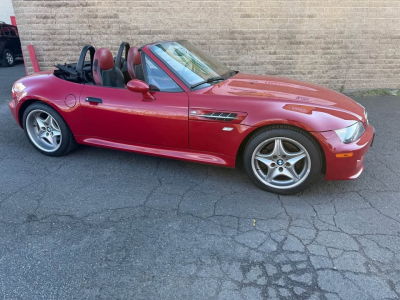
104, 224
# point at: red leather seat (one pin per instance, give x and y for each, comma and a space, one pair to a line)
134, 62
105, 72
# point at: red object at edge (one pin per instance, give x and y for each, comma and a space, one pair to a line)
13, 20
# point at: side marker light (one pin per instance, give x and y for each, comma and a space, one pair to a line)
344, 155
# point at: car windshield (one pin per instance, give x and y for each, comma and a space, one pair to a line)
190, 64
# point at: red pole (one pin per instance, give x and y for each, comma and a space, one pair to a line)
13, 21
23, 57
32, 56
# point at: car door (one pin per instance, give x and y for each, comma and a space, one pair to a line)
122, 115
17, 41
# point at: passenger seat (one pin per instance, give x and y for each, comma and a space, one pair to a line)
105, 72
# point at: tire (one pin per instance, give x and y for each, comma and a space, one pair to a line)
282, 159
47, 131
8, 59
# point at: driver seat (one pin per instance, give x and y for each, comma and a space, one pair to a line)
105, 72
134, 63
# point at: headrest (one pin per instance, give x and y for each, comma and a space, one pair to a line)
137, 59
104, 59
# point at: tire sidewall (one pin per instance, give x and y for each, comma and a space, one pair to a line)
5, 62
61, 123
312, 149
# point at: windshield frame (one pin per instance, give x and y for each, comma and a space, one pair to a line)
226, 75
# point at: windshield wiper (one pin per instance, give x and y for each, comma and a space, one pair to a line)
209, 80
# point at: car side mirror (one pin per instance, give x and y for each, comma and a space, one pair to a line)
139, 86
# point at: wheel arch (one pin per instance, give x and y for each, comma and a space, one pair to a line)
24, 105
242, 146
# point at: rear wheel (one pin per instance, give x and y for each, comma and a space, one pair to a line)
47, 131
282, 160
8, 59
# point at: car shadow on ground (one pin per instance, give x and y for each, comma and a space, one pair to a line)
99, 223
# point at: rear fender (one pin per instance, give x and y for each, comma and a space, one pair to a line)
59, 94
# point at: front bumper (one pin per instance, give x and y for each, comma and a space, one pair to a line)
13, 108
347, 167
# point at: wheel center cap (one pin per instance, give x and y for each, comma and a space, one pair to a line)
280, 162
48, 129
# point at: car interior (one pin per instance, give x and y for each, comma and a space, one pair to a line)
104, 69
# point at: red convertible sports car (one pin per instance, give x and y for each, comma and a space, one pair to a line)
173, 100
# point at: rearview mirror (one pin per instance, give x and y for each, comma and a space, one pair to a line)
139, 86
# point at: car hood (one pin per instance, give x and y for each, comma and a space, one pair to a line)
307, 95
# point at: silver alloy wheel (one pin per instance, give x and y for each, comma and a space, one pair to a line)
281, 163
9, 58
43, 130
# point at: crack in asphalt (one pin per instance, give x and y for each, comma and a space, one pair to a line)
101, 223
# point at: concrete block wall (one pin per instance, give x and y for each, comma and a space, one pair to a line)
350, 43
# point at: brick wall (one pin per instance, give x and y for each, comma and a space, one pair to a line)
354, 43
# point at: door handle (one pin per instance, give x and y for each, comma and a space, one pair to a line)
93, 100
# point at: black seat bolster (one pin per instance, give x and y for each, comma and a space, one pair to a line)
113, 78
139, 72
124, 71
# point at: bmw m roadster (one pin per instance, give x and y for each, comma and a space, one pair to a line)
173, 100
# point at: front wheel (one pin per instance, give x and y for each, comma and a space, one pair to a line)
47, 130
282, 160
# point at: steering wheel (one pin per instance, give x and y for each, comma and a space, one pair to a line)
118, 60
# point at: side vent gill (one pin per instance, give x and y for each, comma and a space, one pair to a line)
220, 116
200, 114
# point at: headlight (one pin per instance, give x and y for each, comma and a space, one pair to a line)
19, 87
351, 133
